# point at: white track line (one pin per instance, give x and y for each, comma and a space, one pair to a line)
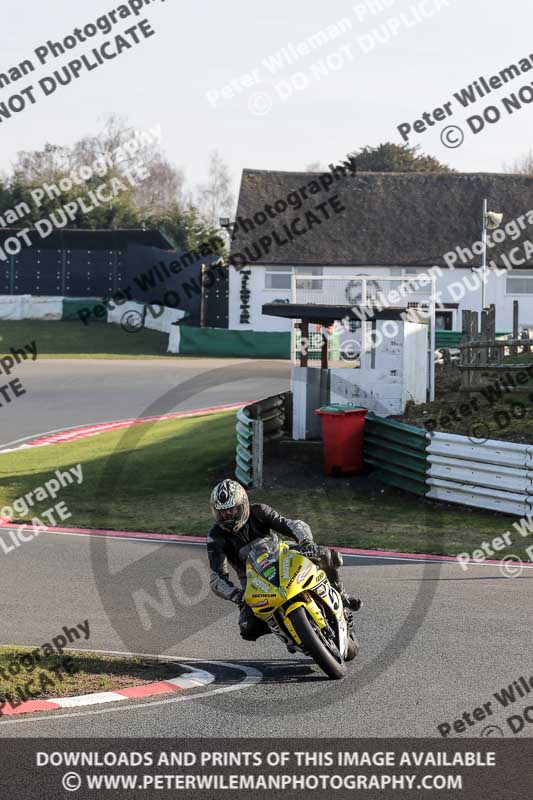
253, 676
395, 559
57, 430
198, 411
452, 562
113, 538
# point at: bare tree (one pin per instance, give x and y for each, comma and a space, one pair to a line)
108, 143
39, 166
522, 166
216, 198
53, 160
161, 201
164, 187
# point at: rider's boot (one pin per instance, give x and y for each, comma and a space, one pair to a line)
354, 603
351, 601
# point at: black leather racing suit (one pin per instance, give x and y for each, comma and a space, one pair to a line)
223, 549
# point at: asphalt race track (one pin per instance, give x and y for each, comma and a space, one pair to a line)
435, 641
66, 392
464, 641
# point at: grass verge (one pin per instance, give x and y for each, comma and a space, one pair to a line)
73, 673
73, 339
158, 477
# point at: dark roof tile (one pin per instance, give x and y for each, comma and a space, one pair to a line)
391, 219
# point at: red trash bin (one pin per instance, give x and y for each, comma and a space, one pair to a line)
343, 433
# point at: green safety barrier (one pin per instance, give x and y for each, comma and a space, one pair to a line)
245, 441
397, 452
73, 305
447, 339
314, 349
258, 423
451, 338
233, 344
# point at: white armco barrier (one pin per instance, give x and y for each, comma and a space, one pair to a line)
174, 339
13, 306
25, 306
45, 308
489, 474
117, 313
155, 317
160, 318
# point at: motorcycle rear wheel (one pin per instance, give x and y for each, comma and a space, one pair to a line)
312, 644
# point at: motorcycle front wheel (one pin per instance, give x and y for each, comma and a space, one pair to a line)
353, 649
313, 644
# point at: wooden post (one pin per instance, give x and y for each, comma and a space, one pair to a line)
484, 351
202, 297
324, 351
492, 321
304, 346
491, 332
466, 323
474, 325
514, 348
525, 335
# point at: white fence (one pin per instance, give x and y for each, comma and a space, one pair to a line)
174, 339
362, 297
160, 318
495, 475
153, 317
25, 306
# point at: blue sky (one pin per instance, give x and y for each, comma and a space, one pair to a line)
373, 85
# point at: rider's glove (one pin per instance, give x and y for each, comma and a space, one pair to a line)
310, 550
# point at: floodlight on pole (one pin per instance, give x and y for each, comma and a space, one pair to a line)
491, 221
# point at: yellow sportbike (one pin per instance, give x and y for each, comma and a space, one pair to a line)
294, 597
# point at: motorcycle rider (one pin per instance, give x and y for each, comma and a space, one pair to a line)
237, 524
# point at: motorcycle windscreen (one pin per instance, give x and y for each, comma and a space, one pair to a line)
264, 554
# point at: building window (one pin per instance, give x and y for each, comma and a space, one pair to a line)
278, 278
399, 271
302, 283
444, 320
519, 285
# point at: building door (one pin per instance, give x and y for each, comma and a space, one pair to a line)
444, 320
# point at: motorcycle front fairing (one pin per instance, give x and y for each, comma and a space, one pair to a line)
277, 575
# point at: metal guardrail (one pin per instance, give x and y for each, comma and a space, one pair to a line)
494, 474
264, 421
398, 452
